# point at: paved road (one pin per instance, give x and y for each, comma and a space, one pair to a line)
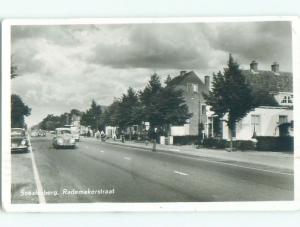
111, 173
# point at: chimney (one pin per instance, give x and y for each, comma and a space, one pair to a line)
275, 67
253, 65
207, 82
182, 73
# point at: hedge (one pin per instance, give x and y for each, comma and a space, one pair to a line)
264, 143
214, 143
186, 140
271, 143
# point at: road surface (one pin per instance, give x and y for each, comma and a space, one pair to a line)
100, 172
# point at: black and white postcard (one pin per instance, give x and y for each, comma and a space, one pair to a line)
150, 114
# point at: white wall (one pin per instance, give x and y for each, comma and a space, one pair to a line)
180, 130
269, 118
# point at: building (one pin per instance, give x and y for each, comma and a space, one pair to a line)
193, 89
265, 120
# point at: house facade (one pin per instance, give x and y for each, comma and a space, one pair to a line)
193, 88
265, 120
262, 121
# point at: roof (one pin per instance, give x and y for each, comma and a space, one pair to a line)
59, 129
181, 79
269, 81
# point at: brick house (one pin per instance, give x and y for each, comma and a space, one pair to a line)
192, 87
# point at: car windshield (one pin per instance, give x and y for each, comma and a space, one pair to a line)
17, 132
61, 132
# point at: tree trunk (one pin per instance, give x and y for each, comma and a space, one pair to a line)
230, 132
154, 145
230, 139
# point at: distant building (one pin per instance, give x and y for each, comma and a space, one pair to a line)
193, 88
75, 120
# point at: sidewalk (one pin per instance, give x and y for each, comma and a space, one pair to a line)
277, 160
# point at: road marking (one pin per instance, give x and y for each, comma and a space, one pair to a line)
127, 158
252, 168
180, 173
204, 158
36, 176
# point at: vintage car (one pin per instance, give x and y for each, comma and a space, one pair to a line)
41, 133
34, 133
19, 140
63, 138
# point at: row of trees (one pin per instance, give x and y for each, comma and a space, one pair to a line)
91, 117
51, 121
160, 105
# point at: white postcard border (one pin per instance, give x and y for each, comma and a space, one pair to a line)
141, 207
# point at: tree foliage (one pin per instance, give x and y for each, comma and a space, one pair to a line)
92, 116
163, 106
159, 105
112, 114
230, 95
130, 110
18, 112
51, 122
18, 108
150, 98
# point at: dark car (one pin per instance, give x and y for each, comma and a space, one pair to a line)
19, 140
63, 138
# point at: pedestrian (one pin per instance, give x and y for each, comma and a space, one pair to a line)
122, 137
153, 137
97, 134
102, 135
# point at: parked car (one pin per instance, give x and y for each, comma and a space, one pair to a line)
19, 140
42, 133
63, 138
34, 133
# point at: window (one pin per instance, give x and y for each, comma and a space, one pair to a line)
195, 88
282, 119
255, 123
203, 109
284, 100
192, 88
287, 99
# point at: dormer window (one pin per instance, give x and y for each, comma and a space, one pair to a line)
287, 99
284, 100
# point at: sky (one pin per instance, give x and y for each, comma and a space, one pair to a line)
62, 67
